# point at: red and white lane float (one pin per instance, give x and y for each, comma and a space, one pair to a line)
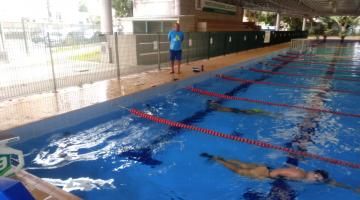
243, 140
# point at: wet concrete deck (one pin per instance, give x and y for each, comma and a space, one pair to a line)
42, 190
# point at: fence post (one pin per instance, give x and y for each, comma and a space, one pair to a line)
2, 38
25, 36
158, 51
209, 43
188, 48
52, 63
117, 59
225, 43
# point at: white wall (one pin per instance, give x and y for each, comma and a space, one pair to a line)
154, 8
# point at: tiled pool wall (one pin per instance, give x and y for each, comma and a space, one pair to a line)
75, 117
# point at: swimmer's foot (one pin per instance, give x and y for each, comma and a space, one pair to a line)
206, 155
211, 157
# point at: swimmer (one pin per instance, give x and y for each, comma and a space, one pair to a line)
216, 106
258, 171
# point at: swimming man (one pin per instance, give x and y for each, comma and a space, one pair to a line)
216, 106
257, 171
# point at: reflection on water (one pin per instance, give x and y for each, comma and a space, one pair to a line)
114, 139
90, 144
82, 184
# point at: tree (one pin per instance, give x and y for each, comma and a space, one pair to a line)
267, 18
339, 25
295, 24
123, 8
82, 6
345, 23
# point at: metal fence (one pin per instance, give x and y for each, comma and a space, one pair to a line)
301, 45
38, 58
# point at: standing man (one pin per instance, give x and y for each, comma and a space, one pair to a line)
175, 37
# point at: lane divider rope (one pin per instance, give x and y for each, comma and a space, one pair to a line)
302, 75
351, 58
315, 68
311, 62
230, 78
306, 58
317, 55
243, 140
223, 96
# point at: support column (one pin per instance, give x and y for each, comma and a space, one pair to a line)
240, 13
304, 24
2, 39
277, 26
106, 17
177, 8
244, 15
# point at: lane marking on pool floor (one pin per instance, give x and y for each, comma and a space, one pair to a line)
243, 140
230, 78
302, 75
223, 96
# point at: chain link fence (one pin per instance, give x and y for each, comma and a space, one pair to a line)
38, 58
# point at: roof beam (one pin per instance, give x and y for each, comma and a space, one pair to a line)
302, 7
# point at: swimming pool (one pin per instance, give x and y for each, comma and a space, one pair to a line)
123, 156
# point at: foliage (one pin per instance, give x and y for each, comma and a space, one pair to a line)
268, 18
93, 56
295, 24
82, 6
123, 8
339, 25
94, 20
318, 28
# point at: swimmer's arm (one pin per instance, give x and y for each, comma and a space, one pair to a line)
226, 109
261, 112
341, 185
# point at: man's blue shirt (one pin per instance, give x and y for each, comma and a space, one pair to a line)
175, 38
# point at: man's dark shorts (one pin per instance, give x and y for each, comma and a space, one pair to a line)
175, 55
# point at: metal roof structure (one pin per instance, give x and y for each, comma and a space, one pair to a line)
302, 7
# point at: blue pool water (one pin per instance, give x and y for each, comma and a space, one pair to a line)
121, 156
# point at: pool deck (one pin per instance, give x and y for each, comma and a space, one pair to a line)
42, 190
24, 110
